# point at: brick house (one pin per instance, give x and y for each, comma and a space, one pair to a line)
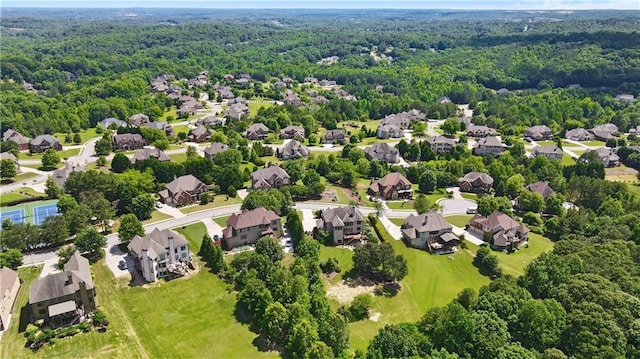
249, 226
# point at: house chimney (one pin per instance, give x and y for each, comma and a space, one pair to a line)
69, 278
171, 249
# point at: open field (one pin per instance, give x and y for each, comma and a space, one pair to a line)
621, 173
85, 135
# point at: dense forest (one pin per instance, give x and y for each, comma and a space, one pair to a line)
515, 70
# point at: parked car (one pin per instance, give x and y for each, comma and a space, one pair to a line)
122, 265
288, 243
158, 204
471, 210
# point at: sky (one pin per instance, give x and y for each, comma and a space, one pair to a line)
336, 4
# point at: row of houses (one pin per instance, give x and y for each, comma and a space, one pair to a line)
40, 143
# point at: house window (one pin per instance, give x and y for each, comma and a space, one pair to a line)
175, 250
183, 248
244, 236
184, 255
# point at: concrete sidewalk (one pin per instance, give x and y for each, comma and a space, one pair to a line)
393, 229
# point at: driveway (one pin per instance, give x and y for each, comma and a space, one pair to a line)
212, 227
455, 206
50, 266
172, 211
113, 256
393, 229
308, 222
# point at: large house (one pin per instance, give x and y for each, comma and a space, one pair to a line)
625, 98
542, 188
62, 297
127, 142
489, 146
480, 131
45, 142
9, 286
18, 138
389, 131
257, 131
343, 223
441, 144
553, 152
61, 175
111, 123
393, 186
383, 152
500, 230
604, 132
607, 156
160, 254
335, 136
237, 110
270, 177
146, 153
538, 133
162, 126
183, 190
200, 134
579, 134
475, 182
212, 151
293, 149
249, 226
139, 119
291, 132
429, 231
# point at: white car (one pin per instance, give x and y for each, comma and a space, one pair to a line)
158, 204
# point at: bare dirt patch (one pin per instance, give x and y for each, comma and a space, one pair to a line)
345, 291
329, 196
621, 174
375, 316
353, 196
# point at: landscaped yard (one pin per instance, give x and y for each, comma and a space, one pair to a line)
23, 177
178, 157
567, 160
222, 221
194, 234
255, 106
85, 135
397, 221
156, 216
469, 196
400, 205
62, 154
220, 200
181, 128
459, 220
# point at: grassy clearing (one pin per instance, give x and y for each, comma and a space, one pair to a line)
23, 177
156, 216
397, 221
399, 205
344, 257
255, 106
62, 154
10, 197
459, 220
218, 201
173, 112
567, 160
514, 263
85, 135
181, 128
178, 157
22, 193
194, 234
621, 173
469, 196
221, 221
594, 143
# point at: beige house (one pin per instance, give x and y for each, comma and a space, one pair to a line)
291, 132
212, 151
392, 186
441, 144
480, 131
579, 134
489, 146
538, 133
45, 142
146, 153
293, 149
9, 286
552, 152
500, 230
62, 297
160, 254
183, 190
335, 136
270, 177
475, 182
382, 152
249, 226
257, 131
429, 231
343, 223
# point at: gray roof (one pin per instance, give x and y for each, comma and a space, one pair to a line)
431, 221
473, 176
61, 175
57, 285
547, 150
292, 131
184, 183
110, 121
156, 242
17, 137
490, 141
44, 138
334, 134
542, 188
267, 173
480, 130
440, 139
7, 278
215, 148
380, 150
579, 133
8, 156
537, 130
147, 153
294, 149
340, 215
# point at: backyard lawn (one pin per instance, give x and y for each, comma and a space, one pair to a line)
181, 128
460, 220
62, 154
567, 160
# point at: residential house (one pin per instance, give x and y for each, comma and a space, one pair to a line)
383, 152
538, 133
45, 142
127, 142
200, 134
18, 138
393, 186
553, 152
139, 119
61, 175
345, 224
257, 131
162, 126
291, 132
212, 151
490, 145
183, 190
625, 98
293, 149
271, 177
327, 83
210, 120
9, 286
429, 231
111, 122
237, 110
64, 296
249, 226
311, 80
160, 254
542, 188
608, 156
10, 156
634, 131
335, 136
480, 131
475, 182
146, 153
500, 230
441, 144
318, 100
287, 80
604, 132
502, 91
291, 98
225, 92
279, 84
579, 134
389, 131
402, 120
443, 99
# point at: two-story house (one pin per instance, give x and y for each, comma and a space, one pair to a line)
212, 151
441, 144
292, 132
500, 230
489, 146
18, 138
271, 177
62, 297
579, 134
336, 136
429, 231
480, 131
475, 182
200, 134
249, 226
393, 186
383, 152
538, 133
183, 190
127, 142
45, 142
293, 149
345, 224
160, 254
9, 286
146, 153
552, 152
257, 131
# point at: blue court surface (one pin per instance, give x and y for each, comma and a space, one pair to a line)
16, 215
41, 212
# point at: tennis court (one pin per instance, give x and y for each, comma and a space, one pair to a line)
16, 215
41, 212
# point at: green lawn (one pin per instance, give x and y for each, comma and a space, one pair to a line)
469, 196
178, 157
24, 192
173, 111
432, 281
85, 135
567, 160
156, 217
23, 177
514, 263
255, 106
343, 255
62, 154
10, 197
399, 205
218, 201
181, 128
459, 220
222, 221
397, 221
193, 233
594, 143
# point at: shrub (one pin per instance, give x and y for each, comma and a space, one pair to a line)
360, 307
331, 265
205, 198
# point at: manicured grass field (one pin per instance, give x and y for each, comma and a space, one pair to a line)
469, 196
514, 263
459, 220
23, 177
62, 154
567, 160
85, 135
193, 233
218, 201
343, 255
397, 221
221, 221
156, 217
178, 157
10, 197
594, 143
173, 111
255, 106
399, 205
181, 128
